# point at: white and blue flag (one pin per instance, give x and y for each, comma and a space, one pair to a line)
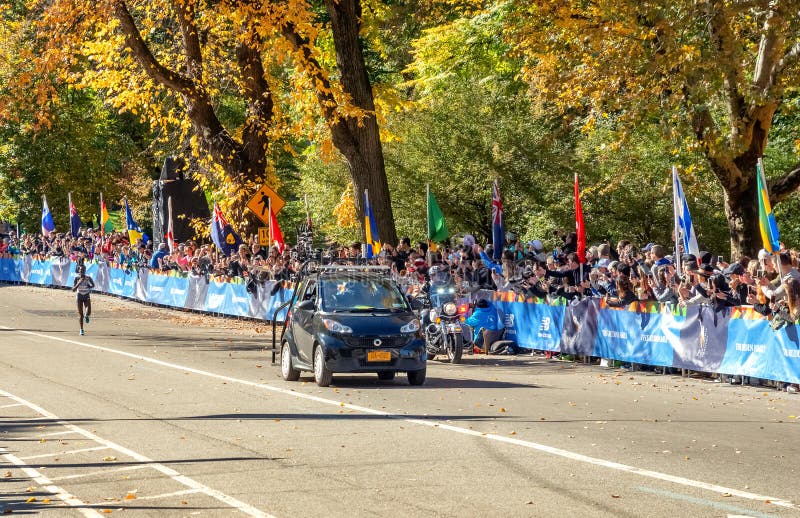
684, 230
48, 225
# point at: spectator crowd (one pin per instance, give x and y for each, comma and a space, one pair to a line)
620, 274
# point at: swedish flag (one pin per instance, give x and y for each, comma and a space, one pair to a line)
370, 229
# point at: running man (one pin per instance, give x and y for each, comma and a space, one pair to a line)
83, 285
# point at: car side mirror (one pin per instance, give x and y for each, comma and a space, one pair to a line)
305, 305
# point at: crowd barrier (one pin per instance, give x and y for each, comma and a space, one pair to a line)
173, 289
734, 341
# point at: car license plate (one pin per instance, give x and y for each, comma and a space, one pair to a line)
379, 356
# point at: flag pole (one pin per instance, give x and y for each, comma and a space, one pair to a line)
428, 222
102, 229
269, 208
675, 228
171, 238
366, 223
775, 257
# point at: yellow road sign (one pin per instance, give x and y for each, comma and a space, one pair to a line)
260, 202
263, 236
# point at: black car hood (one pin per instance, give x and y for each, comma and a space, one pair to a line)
372, 323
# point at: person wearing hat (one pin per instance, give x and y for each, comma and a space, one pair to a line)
738, 286
83, 286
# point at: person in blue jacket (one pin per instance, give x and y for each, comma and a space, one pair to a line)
484, 317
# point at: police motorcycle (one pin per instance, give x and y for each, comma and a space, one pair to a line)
441, 317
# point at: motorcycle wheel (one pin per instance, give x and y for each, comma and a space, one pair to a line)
455, 348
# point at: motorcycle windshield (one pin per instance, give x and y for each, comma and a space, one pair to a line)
442, 294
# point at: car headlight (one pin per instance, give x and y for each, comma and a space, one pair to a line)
411, 327
336, 327
449, 309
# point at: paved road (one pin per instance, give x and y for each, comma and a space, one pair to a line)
161, 413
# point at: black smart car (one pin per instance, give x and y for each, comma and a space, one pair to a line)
351, 319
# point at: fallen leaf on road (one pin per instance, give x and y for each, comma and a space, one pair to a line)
8, 474
502, 409
31, 499
46, 501
615, 496
42, 440
726, 494
184, 502
30, 489
130, 496
109, 459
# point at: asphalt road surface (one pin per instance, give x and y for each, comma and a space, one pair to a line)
162, 413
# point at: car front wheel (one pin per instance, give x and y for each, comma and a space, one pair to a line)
288, 372
322, 374
416, 377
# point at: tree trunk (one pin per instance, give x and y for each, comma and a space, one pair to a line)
358, 139
741, 209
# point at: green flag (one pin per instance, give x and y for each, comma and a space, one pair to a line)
437, 228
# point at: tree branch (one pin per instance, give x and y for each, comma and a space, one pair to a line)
152, 67
784, 186
191, 39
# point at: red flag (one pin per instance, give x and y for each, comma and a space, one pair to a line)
275, 230
579, 228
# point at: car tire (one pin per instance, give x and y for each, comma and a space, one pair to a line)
288, 372
322, 374
386, 376
416, 378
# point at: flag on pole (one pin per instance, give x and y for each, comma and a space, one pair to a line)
437, 228
684, 230
498, 229
222, 234
579, 227
275, 230
370, 229
134, 231
766, 219
170, 236
48, 225
106, 227
75, 222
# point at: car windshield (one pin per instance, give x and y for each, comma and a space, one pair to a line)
361, 294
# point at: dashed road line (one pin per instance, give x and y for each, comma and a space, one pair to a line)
100, 472
168, 495
47, 484
665, 477
169, 472
70, 452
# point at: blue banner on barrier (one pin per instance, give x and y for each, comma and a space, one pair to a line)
167, 290
122, 282
533, 326
633, 334
10, 270
227, 298
40, 273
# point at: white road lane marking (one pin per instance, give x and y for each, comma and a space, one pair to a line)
168, 495
47, 484
442, 426
171, 473
100, 472
71, 452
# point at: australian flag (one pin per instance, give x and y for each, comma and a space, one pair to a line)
74, 219
222, 234
498, 230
